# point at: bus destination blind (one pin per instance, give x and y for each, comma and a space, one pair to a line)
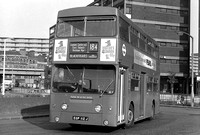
83, 50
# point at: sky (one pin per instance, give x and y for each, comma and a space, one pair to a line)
32, 18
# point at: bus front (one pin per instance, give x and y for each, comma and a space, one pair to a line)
85, 70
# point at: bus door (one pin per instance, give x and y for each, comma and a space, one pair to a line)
142, 93
121, 94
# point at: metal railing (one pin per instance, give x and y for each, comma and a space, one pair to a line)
22, 91
179, 99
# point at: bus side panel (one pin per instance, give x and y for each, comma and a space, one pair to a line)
149, 100
125, 53
150, 97
157, 102
135, 97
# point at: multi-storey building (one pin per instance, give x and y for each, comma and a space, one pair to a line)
162, 19
25, 60
39, 45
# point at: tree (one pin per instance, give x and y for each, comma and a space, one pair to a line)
172, 80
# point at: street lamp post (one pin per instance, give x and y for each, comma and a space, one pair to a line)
4, 64
192, 83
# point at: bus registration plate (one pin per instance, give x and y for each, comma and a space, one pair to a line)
81, 118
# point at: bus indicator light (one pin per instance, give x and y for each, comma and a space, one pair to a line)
64, 106
98, 108
57, 119
124, 50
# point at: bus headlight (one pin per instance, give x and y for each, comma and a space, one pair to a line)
64, 106
98, 108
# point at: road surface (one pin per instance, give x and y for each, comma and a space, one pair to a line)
170, 121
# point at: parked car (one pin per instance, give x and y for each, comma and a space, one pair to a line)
7, 87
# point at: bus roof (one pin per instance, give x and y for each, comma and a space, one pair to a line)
99, 10
85, 11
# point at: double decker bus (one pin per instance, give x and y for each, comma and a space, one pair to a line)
105, 69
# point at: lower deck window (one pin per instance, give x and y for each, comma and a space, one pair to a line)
84, 79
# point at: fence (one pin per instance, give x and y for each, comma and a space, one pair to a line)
169, 99
179, 99
21, 91
29, 90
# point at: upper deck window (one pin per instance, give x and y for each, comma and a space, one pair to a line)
86, 26
123, 30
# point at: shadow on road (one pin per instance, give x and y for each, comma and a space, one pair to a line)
39, 116
35, 111
91, 129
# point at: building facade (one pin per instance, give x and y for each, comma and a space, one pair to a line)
196, 71
195, 64
25, 61
39, 45
162, 19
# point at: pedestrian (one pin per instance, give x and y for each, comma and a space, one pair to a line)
178, 99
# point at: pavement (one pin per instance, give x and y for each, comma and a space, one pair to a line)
180, 109
30, 113
22, 108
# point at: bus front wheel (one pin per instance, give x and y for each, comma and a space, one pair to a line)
130, 117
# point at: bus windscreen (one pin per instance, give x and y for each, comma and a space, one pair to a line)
86, 26
84, 79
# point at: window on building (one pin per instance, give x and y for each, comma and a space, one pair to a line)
162, 44
183, 12
163, 27
168, 44
128, 8
164, 10
168, 61
173, 61
162, 61
184, 29
183, 62
174, 45
174, 28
